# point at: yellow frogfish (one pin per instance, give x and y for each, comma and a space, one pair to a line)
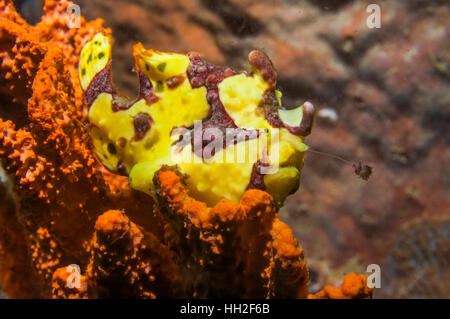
225, 130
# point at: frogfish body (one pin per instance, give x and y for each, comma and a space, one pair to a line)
226, 130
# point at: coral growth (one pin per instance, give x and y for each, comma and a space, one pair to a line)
64, 209
354, 286
231, 238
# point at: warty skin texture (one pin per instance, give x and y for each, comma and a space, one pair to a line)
136, 136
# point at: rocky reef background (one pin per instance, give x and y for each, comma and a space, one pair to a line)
383, 96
